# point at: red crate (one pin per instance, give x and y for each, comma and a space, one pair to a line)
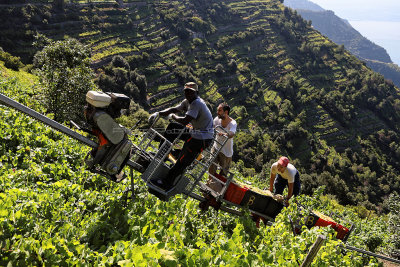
234, 193
340, 229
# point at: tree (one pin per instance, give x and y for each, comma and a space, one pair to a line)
232, 65
141, 82
64, 73
121, 77
219, 69
119, 62
394, 223
10, 61
59, 5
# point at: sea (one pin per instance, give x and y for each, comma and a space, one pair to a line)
379, 21
382, 33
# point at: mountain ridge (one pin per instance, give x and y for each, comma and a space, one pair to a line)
341, 32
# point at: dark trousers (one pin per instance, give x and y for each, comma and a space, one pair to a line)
191, 149
280, 184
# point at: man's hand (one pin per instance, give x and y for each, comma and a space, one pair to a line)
170, 117
286, 202
153, 117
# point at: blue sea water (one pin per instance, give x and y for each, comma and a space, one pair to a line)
383, 33
379, 21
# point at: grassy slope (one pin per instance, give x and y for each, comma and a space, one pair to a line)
54, 212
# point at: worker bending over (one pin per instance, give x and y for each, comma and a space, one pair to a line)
284, 174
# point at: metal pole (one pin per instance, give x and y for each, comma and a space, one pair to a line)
40, 117
372, 254
132, 185
53, 124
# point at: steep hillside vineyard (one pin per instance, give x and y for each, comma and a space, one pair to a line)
54, 212
292, 90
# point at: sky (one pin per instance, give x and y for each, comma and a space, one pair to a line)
378, 20
371, 10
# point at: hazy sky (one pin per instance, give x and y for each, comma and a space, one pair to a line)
382, 10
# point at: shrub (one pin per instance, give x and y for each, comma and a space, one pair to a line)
64, 73
394, 223
219, 69
10, 61
119, 62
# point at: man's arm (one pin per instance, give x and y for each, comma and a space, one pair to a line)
290, 191
168, 111
271, 181
231, 134
182, 120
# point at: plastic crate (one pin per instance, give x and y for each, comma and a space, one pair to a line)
234, 193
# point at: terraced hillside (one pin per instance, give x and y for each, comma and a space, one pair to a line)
341, 32
54, 212
292, 90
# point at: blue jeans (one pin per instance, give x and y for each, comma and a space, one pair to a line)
280, 184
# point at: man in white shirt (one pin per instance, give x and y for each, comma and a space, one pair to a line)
284, 174
224, 157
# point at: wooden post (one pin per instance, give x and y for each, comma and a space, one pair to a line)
313, 251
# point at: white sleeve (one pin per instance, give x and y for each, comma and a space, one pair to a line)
216, 122
273, 168
292, 173
233, 127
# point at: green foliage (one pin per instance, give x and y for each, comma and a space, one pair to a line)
394, 223
64, 72
293, 91
54, 212
120, 62
10, 61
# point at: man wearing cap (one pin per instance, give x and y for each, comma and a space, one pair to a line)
198, 138
284, 174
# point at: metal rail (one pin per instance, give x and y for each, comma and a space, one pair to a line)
230, 210
372, 254
53, 124
40, 117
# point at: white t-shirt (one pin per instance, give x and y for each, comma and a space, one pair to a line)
227, 149
288, 174
202, 122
